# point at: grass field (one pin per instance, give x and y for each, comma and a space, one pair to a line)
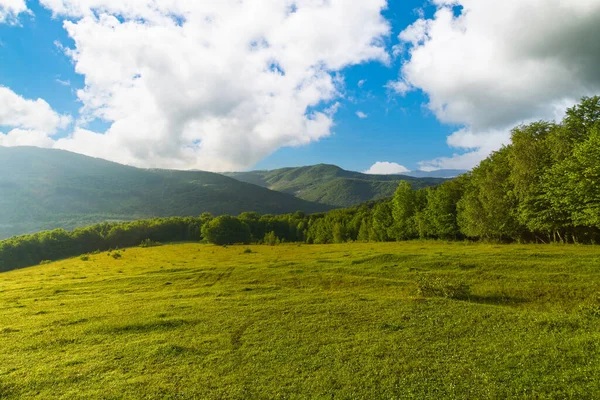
354, 321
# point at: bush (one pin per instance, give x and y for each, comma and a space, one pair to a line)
149, 243
117, 255
271, 239
84, 258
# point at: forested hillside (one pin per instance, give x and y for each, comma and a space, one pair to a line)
47, 189
329, 184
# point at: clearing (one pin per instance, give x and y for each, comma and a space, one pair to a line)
353, 321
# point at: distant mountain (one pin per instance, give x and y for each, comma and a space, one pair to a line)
45, 189
441, 173
331, 185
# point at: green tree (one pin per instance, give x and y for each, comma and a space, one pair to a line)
383, 222
339, 233
363, 232
488, 209
441, 210
227, 230
404, 209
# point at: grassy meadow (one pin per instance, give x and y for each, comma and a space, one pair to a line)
353, 321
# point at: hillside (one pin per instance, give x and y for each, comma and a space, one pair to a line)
45, 189
331, 185
442, 173
418, 320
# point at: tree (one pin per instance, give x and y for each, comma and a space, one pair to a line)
339, 233
226, 230
441, 210
382, 222
363, 232
404, 209
488, 209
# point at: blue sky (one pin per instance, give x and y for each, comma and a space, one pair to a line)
398, 129
449, 108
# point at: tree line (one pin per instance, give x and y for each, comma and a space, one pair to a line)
543, 187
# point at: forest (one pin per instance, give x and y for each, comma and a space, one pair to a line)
542, 188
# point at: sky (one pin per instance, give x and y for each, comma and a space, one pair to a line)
369, 85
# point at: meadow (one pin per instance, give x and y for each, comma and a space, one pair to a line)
351, 321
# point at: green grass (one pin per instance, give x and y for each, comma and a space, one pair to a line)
355, 321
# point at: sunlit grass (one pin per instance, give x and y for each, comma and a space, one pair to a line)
411, 320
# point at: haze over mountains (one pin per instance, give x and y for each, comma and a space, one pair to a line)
47, 189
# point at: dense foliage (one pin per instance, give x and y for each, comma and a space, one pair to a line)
544, 187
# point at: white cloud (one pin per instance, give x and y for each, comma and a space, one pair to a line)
18, 112
361, 83
26, 137
499, 64
214, 85
386, 168
361, 115
10, 9
399, 87
63, 83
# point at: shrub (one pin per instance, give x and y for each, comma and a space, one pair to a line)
149, 243
271, 239
117, 255
84, 258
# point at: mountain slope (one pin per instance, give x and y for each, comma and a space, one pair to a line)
442, 173
329, 184
44, 189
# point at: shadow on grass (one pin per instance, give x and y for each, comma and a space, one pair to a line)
145, 327
495, 299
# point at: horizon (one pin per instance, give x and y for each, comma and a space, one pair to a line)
386, 89
242, 171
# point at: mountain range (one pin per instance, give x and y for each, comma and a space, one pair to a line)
331, 185
45, 189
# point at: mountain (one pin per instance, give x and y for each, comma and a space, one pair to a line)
441, 173
45, 189
331, 185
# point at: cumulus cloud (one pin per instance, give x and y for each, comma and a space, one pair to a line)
10, 9
18, 112
26, 137
361, 115
214, 85
386, 168
498, 64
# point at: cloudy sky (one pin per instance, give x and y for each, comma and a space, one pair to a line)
370, 85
